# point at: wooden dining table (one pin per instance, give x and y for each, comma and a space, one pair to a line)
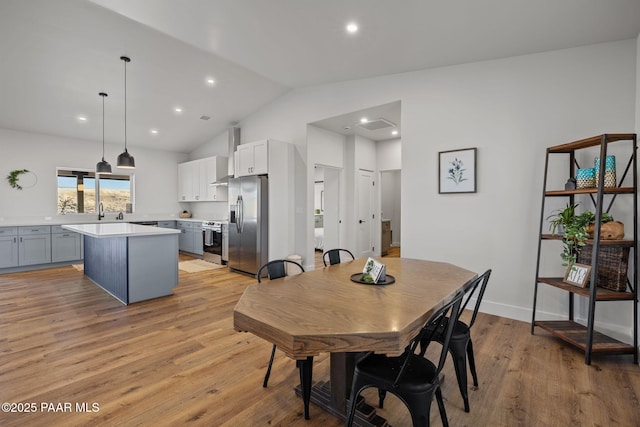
323, 311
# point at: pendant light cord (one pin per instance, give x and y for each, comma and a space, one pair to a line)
125, 105
103, 125
103, 95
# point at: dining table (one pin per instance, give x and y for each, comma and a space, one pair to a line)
324, 310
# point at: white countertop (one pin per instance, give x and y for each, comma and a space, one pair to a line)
122, 229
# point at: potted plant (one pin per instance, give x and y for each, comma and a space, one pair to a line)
561, 218
574, 229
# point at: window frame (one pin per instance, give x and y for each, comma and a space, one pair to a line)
96, 177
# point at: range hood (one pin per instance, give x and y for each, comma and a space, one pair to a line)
234, 141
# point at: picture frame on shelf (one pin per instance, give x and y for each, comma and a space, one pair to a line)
577, 275
457, 171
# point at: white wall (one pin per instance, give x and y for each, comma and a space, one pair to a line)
511, 110
156, 176
389, 154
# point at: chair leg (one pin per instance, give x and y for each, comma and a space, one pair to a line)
266, 377
306, 374
472, 363
381, 395
459, 356
443, 412
419, 406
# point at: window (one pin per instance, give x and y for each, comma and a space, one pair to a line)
115, 192
77, 192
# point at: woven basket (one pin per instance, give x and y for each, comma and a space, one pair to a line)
613, 262
184, 215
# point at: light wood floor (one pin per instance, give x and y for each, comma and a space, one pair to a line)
177, 361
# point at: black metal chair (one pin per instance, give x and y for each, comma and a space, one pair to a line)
334, 256
276, 269
461, 345
411, 377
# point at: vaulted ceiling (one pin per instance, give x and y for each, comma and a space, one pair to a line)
57, 55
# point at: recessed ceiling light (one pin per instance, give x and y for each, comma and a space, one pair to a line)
82, 119
394, 132
364, 120
178, 109
154, 131
210, 81
352, 28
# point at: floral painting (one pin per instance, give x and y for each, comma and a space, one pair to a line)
457, 171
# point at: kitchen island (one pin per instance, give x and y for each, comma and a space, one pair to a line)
131, 262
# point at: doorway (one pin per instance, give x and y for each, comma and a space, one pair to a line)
327, 221
390, 207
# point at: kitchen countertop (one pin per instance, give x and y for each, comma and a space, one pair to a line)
76, 219
122, 229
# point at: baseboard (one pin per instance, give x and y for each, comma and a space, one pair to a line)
619, 332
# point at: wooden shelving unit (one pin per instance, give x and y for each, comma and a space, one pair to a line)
581, 336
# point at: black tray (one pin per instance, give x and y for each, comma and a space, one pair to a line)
389, 279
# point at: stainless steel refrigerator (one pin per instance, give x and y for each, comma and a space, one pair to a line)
248, 223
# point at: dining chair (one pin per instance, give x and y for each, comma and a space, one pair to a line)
334, 256
275, 270
411, 377
461, 346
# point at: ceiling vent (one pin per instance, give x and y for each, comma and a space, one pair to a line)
376, 124
204, 117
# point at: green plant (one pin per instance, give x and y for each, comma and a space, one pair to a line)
574, 227
561, 217
13, 177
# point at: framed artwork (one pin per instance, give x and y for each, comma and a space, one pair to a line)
577, 275
457, 171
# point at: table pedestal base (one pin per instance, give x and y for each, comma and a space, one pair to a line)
365, 414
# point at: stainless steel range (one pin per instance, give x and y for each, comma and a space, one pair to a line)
214, 244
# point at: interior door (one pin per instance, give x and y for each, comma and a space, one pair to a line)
365, 216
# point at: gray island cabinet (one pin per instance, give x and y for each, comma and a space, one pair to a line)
131, 262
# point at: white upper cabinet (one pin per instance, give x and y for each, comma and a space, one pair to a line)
253, 159
185, 182
195, 180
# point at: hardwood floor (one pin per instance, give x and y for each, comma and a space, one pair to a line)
178, 361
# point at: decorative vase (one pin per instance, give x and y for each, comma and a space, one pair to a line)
585, 178
609, 171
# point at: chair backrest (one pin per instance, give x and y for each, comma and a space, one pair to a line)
437, 321
276, 269
480, 283
333, 255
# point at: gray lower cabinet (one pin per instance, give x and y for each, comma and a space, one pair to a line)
190, 239
34, 245
167, 224
65, 245
185, 239
8, 247
197, 239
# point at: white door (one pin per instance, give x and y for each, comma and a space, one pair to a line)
365, 218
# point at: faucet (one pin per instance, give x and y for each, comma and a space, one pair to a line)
100, 212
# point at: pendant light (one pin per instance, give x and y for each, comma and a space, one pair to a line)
103, 166
125, 160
